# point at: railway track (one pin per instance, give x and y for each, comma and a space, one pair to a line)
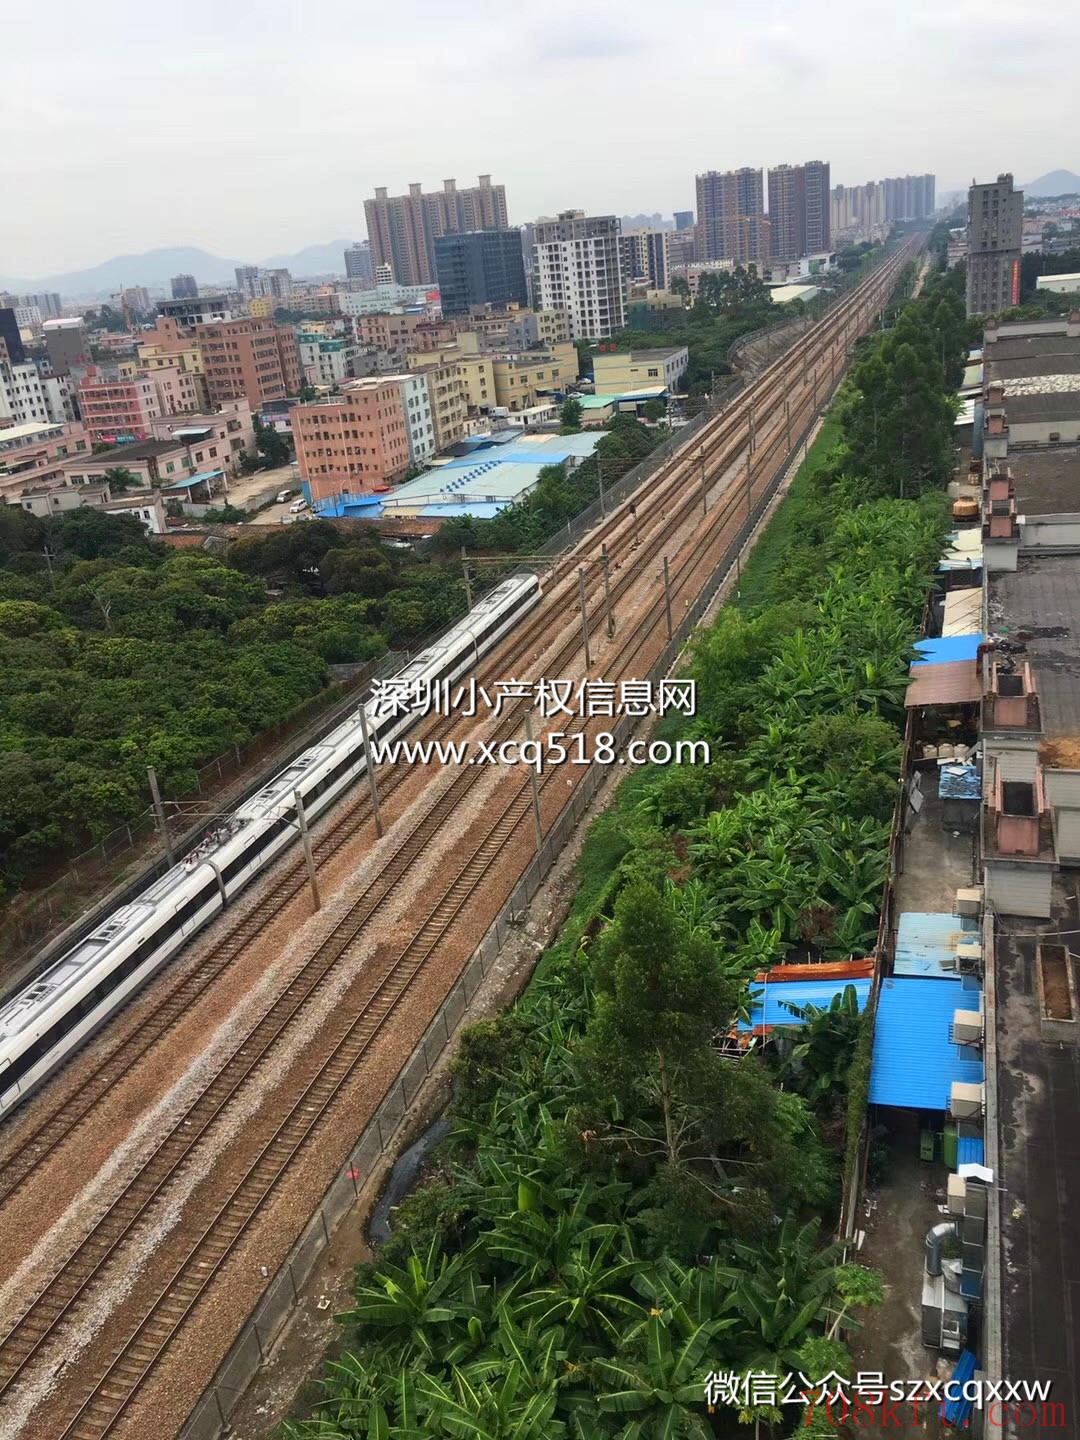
180, 996
178, 1297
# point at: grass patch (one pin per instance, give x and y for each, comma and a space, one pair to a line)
784, 528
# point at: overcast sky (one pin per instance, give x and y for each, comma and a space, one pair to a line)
249, 129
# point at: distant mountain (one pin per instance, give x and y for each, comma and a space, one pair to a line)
1056, 182
155, 268
328, 259
151, 267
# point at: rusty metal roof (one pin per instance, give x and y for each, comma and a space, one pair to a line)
952, 684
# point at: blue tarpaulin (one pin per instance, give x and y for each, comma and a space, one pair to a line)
915, 1061
946, 649
959, 781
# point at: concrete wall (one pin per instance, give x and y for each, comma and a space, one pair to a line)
1050, 532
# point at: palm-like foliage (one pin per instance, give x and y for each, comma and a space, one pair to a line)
817, 1054
661, 1387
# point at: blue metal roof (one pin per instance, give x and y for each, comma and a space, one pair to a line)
769, 999
925, 941
479, 509
915, 1062
946, 649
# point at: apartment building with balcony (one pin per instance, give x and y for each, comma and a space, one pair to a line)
33, 455
579, 270
116, 407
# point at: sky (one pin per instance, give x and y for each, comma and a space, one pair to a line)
249, 129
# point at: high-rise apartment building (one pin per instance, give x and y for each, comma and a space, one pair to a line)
402, 229
358, 261
183, 287
645, 256
684, 219
10, 337
799, 210
994, 236
724, 198
480, 267
579, 270
909, 197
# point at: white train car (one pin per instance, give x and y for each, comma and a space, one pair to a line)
49, 1019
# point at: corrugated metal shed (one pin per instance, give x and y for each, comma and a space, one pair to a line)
963, 612
915, 1062
926, 940
946, 649
957, 683
970, 1150
963, 550
769, 999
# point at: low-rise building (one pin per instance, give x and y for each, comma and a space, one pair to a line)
145, 505
217, 440
1031, 379
353, 443
152, 464
33, 455
623, 372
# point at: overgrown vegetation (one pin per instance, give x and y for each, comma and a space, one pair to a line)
117, 652
623, 1204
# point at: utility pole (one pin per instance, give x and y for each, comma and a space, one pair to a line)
584, 616
535, 783
600, 480
753, 432
704, 492
633, 516
309, 859
604, 560
159, 813
369, 761
787, 421
667, 600
49, 558
465, 574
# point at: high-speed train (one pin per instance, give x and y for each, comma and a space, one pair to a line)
56, 1012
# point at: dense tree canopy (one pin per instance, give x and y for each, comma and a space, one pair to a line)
117, 653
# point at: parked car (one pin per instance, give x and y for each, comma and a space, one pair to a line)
283, 495
297, 506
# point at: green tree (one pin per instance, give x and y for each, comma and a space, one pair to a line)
571, 413
661, 997
119, 478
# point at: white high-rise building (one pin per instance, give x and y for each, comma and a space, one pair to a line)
579, 269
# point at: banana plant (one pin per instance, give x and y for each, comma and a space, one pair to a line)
477, 1409
420, 1303
661, 1388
